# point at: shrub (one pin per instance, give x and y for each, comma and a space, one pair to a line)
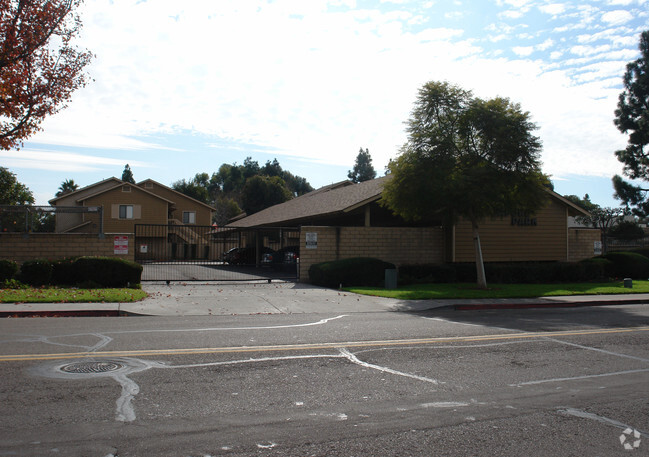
106, 271
627, 265
13, 284
358, 271
63, 272
8, 269
427, 274
36, 272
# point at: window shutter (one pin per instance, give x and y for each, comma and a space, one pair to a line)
137, 211
114, 211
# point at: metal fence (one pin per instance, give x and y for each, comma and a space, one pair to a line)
46, 219
207, 253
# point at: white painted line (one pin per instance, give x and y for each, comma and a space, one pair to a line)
603, 351
352, 358
602, 419
543, 381
262, 359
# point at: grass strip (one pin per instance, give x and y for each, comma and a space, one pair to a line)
54, 295
471, 291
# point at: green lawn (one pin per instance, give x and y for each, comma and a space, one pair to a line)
53, 295
445, 291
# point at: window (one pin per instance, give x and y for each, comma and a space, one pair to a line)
189, 217
126, 188
126, 211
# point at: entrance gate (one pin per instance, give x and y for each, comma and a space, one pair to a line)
207, 253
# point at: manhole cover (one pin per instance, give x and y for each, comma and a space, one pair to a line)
91, 367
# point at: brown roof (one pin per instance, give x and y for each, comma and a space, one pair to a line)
334, 199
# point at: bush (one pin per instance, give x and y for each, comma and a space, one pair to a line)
8, 269
627, 265
13, 284
36, 272
106, 271
358, 271
63, 272
507, 272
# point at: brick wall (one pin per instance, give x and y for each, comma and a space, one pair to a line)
398, 245
581, 243
21, 247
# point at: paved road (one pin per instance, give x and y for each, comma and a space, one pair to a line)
499, 382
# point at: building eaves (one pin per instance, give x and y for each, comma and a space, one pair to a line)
141, 183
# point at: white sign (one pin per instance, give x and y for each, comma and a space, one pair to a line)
120, 244
311, 240
144, 249
597, 248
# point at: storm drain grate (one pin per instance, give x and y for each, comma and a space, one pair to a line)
91, 367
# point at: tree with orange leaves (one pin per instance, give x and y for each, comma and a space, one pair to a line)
40, 67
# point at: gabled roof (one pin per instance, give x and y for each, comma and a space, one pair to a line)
338, 199
141, 185
85, 190
334, 199
122, 183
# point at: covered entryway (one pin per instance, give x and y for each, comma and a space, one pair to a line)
209, 253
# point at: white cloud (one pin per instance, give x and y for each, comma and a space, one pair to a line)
618, 17
62, 161
523, 51
553, 8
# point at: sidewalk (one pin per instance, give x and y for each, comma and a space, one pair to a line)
189, 299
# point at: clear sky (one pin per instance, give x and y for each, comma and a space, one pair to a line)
181, 87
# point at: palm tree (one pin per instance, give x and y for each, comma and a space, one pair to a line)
66, 187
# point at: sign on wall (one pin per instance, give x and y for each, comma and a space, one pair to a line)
597, 248
311, 240
120, 244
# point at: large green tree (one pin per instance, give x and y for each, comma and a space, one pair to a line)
466, 157
363, 169
261, 192
632, 118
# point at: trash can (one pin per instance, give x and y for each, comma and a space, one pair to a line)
391, 278
628, 283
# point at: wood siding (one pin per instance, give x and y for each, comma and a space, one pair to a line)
503, 241
152, 210
181, 202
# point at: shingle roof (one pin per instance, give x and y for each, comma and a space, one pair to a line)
333, 199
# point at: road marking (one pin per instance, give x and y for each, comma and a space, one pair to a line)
312, 346
574, 378
603, 351
602, 419
352, 358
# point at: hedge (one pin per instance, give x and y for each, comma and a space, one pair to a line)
8, 269
627, 265
82, 271
357, 271
506, 272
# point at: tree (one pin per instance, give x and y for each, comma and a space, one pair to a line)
603, 219
127, 174
466, 157
632, 118
13, 192
192, 188
39, 66
363, 169
66, 187
261, 192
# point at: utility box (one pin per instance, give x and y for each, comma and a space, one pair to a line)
628, 283
391, 278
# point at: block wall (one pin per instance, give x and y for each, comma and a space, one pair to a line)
581, 243
398, 245
21, 247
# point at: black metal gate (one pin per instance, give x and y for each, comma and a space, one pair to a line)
208, 253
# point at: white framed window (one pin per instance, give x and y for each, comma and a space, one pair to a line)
126, 211
126, 188
189, 217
